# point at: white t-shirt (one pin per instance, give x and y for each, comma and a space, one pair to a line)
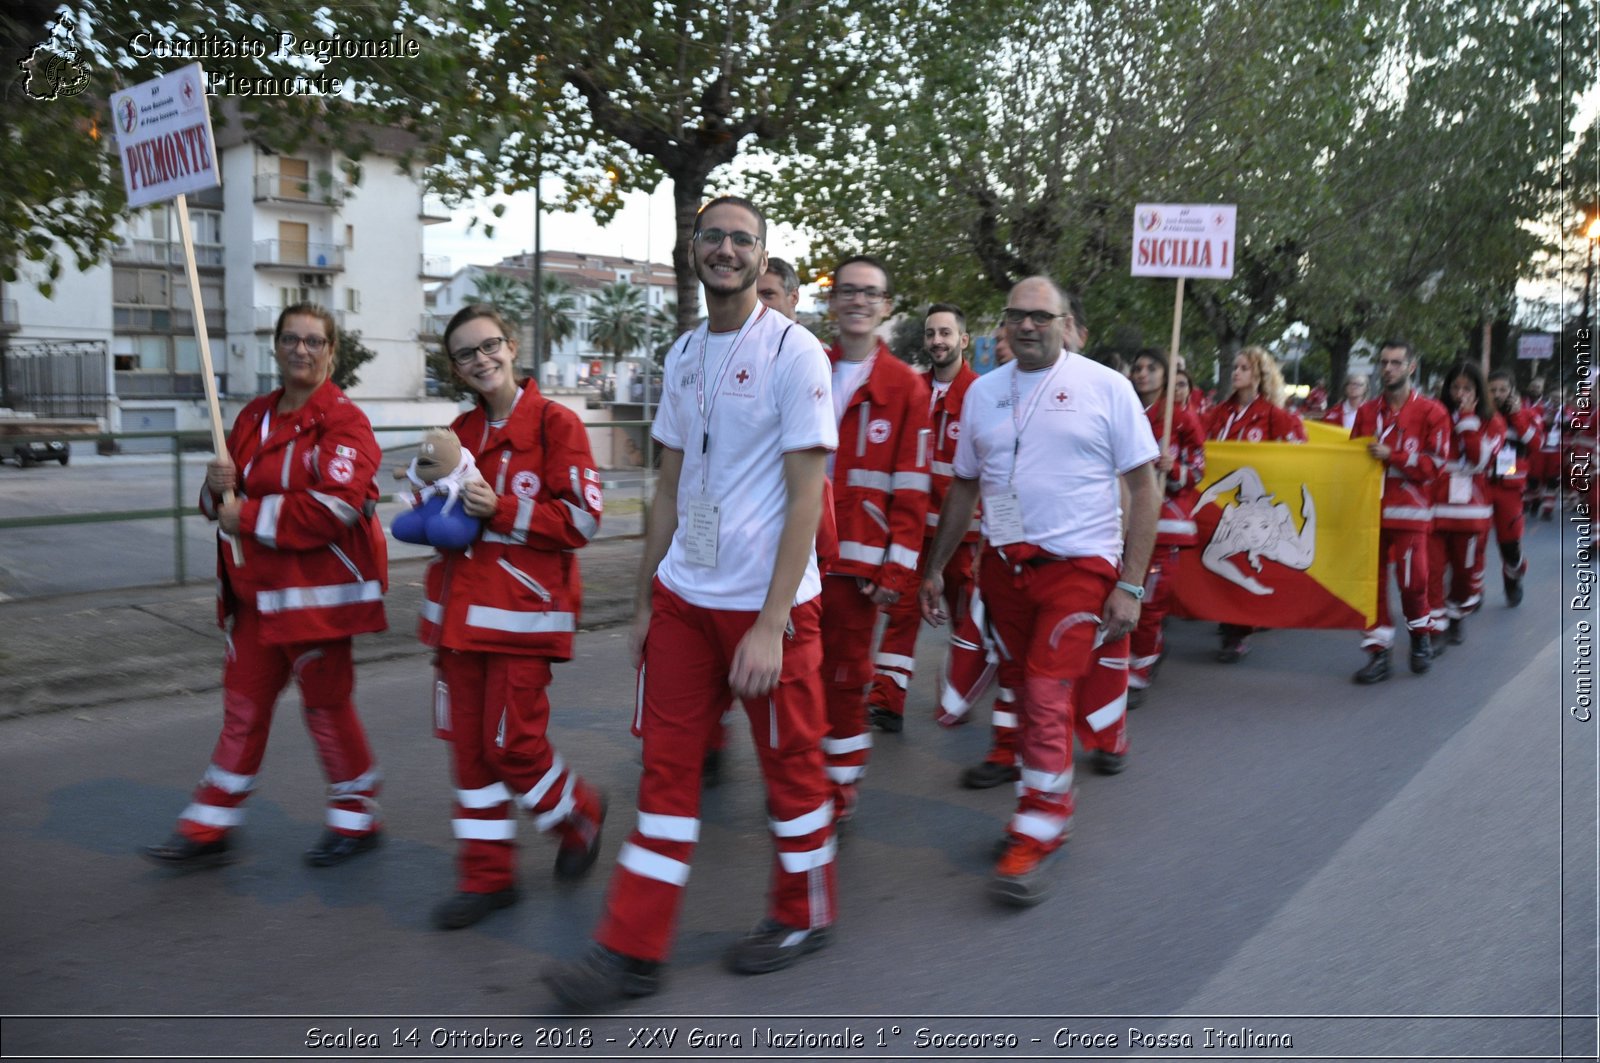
767, 395
847, 376
1082, 428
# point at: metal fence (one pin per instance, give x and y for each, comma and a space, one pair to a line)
183, 503
56, 378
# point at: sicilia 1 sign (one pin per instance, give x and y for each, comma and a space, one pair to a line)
1184, 240
164, 137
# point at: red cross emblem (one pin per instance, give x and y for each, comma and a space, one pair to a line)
188, 91
741, 376
1061, 396
816, 393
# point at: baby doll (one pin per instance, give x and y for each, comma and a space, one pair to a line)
440, 470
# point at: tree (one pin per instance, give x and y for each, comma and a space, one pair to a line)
617, 319
664, 330
353, 354
559, 314
510, 297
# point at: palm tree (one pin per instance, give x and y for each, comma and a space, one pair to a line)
506, 294
559, 317
663, 328
618, 319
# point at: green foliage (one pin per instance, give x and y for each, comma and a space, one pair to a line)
559, 313
618, 319
511, 297
905, 339
353, 354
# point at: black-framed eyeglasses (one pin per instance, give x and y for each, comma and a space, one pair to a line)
1040, 318
467, 355
288, 341
712, 238
847, 292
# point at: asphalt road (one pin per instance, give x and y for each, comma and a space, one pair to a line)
70, 559
1399, 871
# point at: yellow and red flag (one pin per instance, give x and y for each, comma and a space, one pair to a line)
1288, 536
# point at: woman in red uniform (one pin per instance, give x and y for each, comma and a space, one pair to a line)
1461, 505
313, 573
1183, 466
1252, 413
500, 613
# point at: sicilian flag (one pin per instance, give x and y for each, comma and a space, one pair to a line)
1288, 536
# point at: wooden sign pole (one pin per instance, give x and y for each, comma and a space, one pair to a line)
1172, 367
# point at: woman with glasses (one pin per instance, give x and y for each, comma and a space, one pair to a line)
1253, 413
303, 567
500, 613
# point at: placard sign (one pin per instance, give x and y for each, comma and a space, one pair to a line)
1536, 346
164, 137
1184, 240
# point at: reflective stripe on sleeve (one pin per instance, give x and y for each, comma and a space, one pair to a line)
854, 551
341, 509
910, 481
871, 478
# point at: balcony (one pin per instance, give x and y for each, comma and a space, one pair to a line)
299, 255
431, 326
432, 211
9, 321
160, 384
163, 253
435, 268
297, 191
162, 319
266, 318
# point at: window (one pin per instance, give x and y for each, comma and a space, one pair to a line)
350, 237
352, 300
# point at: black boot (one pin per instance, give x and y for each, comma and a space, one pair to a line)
1457, 633
1421, 652
1376, 670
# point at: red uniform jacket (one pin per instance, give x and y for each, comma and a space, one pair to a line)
1419, 438
880, 475
1336, 414
1259, 422
1510, 463
1461, 493
315, 558
945, 420
517, 589
1176, 525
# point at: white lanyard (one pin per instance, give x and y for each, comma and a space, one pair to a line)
1019, 424
1232, 417
704, 406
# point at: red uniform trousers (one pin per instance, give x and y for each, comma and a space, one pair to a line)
850, 618
1407, 552
1544, 479
1506, 498
1099, 706
253, 677
970, 665
1047, 617
688, 653
896, 660
1148, 641
1462, 553
493, 710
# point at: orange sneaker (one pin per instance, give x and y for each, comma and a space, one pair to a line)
1022, 877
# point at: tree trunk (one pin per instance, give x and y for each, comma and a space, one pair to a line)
686, 193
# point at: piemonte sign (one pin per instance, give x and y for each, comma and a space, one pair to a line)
164, 137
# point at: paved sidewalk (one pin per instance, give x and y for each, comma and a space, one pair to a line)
84, 650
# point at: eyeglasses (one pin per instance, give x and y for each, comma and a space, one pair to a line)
712, 238
1040, 318
847, 292
288, 341
467, 355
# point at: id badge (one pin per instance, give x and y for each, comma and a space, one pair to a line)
1002, 516
1505, 462
700, 532
1460, 488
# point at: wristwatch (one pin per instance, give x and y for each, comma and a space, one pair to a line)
1135, 589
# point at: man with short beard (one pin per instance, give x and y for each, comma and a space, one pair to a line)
728, 603
1508, 480
945, 340
1410, 435
880, 491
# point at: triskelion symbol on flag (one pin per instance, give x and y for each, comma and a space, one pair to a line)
1258, 527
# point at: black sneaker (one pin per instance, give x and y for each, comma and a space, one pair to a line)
1376, 670
577, 854
335, 848
601, 977
1107, 763
1513, 590
1233, 649
187, 854
884, 720
989, 773
1422, 652
464, 909
1457, 634
1136, 696
771, 946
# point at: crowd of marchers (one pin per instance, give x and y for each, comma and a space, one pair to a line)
805, 493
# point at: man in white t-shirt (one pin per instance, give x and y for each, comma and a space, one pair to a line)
1049, 441
728, 603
